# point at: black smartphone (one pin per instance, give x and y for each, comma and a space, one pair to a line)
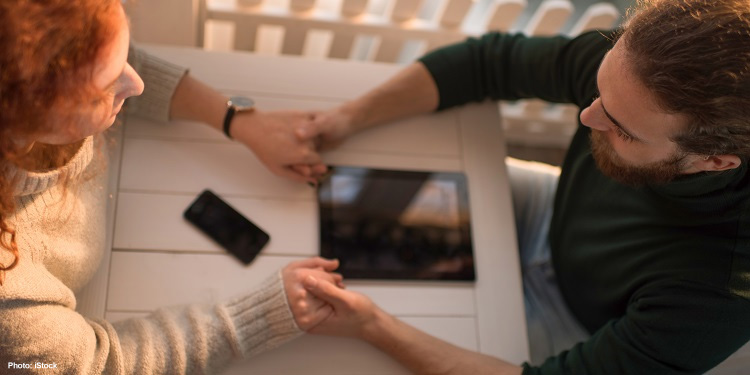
226, 226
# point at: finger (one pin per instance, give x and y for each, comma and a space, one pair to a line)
289, 173
318, 169
309, 155
325, 291
293, 173
316, 303
320, 315
335, 278
311, 262
322, 263
303, 170
329, 264
331, 277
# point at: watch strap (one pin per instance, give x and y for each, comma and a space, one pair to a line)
231, 110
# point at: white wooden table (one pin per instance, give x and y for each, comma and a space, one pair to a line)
158, 259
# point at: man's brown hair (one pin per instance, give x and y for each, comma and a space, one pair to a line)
694, 55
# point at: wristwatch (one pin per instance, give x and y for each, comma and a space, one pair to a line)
236, 104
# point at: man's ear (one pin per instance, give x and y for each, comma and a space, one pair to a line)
715, 163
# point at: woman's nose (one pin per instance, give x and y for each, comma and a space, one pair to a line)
132, 84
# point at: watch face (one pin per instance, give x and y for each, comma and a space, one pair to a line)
241, 102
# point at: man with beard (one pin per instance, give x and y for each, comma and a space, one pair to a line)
647, 228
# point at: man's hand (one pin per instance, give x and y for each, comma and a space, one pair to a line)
308, 310
327, 128
271, 136
353, 314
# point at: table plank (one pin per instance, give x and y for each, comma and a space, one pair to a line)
291, 224
145, 281
189, 167
503, 329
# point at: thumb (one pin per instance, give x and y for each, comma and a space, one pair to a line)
324, 290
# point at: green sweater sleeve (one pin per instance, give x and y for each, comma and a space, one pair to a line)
514, 66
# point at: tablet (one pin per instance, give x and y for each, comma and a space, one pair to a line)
389, 224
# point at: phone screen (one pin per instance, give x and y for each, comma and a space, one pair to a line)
226, 226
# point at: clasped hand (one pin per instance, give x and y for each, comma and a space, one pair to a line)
288, 143
321, 305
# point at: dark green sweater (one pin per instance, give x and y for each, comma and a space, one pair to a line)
660, 275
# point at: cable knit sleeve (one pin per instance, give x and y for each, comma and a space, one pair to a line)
195, 339
160, 78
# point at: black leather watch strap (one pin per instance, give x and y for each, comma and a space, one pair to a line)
228, 119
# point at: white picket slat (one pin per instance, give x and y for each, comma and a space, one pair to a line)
301, 5
454, 12
404, 10
341, 46
389, 49
549, 18
294, 40
352, 8
503, 14
597, 16
249, 3
245, 34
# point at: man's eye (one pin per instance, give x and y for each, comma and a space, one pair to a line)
624, 136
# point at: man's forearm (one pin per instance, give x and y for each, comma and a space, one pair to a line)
410, 92
425, 354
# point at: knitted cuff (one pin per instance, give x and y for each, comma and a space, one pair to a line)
160, 78
263, 319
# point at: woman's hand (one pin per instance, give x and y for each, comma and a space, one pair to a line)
273, 137
307, 309
353, 314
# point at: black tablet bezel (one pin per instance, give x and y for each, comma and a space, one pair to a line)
467, 273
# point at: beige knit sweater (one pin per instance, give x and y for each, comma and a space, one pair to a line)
60, 230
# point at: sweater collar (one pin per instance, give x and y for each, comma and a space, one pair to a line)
29, 182
705, 183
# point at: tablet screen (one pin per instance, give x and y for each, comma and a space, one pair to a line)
386, 224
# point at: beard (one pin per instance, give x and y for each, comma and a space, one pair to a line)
612, 165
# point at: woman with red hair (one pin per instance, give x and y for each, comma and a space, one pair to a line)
64, 76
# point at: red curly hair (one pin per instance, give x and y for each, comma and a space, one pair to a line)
46, 66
